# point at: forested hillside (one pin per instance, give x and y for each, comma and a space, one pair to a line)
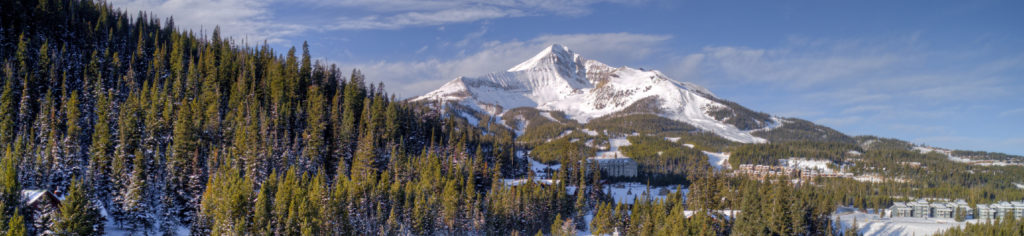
138, 126
157, 129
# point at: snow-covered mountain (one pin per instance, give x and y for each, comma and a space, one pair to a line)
557, 79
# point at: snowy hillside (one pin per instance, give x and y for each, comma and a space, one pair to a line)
557, 79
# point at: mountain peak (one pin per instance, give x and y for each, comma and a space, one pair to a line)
558, 79
554, 55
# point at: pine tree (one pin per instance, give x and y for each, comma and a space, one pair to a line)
451, 205
961, 214
316, 127
135, 205
10, 187
227, 203
8, 106
316, 206
364, 161
602, 222
78, 215
182, 166
283, 204
263, 208
352, 108
854, 230
69, 165
16, 226
338, 221
100, 156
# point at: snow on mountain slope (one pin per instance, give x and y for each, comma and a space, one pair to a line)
556, 79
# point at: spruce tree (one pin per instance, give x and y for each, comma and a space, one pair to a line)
263, 207
78, 215
227, 203
8, 107
602, 222
316, 127
10, 186
100, 156
16, 226
70, 163
135, 204
363, 163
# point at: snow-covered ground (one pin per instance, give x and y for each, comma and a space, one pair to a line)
804, 163
672, 139
727, 212
590, 132
548, 115
718, 160
689, 145
870, 223
520, 181
869, 178
628, 192
540, 169
470, 118
951, 157
1019, 185
521, 128
613, 149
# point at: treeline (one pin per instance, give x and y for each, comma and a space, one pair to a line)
538, 128
562, 150
719, 205
627, 124
875, 143
147, 123
904, 174
771, 153
998, 227
934, 175
982, 155
663, 162
794, 129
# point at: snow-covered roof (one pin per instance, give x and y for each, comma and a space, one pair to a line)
31, 196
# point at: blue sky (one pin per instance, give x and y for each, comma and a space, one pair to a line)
942, 73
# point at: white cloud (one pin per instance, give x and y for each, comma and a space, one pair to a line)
433, 18
240, 19
397, 14
412, 78
257, 20
565, 7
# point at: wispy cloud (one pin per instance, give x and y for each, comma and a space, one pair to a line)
431, 18
258, 20
240, 19
397, 14
570, 7
418, 77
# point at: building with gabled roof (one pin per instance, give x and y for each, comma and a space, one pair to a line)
41, 206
